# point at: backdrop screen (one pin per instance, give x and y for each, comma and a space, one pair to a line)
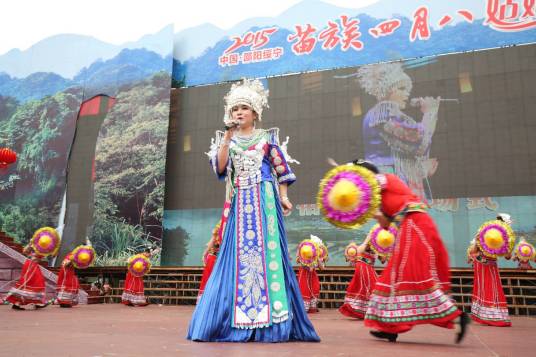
457, 128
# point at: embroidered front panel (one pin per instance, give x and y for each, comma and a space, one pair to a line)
247, 162
275, 273
251, 299
410, 307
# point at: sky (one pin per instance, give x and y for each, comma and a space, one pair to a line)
25, 22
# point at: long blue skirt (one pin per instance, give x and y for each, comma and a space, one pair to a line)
211, 320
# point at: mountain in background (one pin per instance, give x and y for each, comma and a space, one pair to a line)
66, 54
35, 86
129, 66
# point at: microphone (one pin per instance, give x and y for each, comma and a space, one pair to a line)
417, 101
231, 125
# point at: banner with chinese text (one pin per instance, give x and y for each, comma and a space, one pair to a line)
314, 35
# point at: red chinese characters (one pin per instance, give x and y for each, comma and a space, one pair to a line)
344, 33
510, 15
447, 19
305, 43
254, 40
385, 28
246, 57
330, 36
420, 27
350, 34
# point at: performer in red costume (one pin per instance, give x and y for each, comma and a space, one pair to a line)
362, 283
412, 289
67, 285
30, 288
524, 252
488, 305
309, 288
134, 292
209, 258
308, 278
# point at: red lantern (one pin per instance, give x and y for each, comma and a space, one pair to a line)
7, 157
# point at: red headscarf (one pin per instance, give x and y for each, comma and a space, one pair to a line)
396, 195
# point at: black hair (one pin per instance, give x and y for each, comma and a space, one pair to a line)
367, 165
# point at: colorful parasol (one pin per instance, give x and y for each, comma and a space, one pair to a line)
351, 251
382, 241
139, 265
83, 256
524, 251
348, 196
307, 253
495, 239
46, 241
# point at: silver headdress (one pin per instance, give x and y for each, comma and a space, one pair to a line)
248, 92
379, 79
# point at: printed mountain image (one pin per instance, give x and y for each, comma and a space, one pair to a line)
129, 66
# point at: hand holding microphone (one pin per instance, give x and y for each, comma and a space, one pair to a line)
229, 129
230, 126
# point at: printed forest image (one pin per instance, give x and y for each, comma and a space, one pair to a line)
130, 172
38, 120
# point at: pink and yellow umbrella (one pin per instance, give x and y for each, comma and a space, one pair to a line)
524, 251
46, 241
382, 241
495, 239
83, 256
348, 196
351, 251
139, 265
307, 253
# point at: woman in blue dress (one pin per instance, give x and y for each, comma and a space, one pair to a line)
252, 294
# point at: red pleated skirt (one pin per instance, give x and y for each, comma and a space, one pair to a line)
309, 288
359, 289
67, 286
413, 287
30, 288
488, 303
133, 293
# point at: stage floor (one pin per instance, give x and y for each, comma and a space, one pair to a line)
117, 330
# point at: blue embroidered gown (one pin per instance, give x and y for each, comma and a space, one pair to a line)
253, 294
